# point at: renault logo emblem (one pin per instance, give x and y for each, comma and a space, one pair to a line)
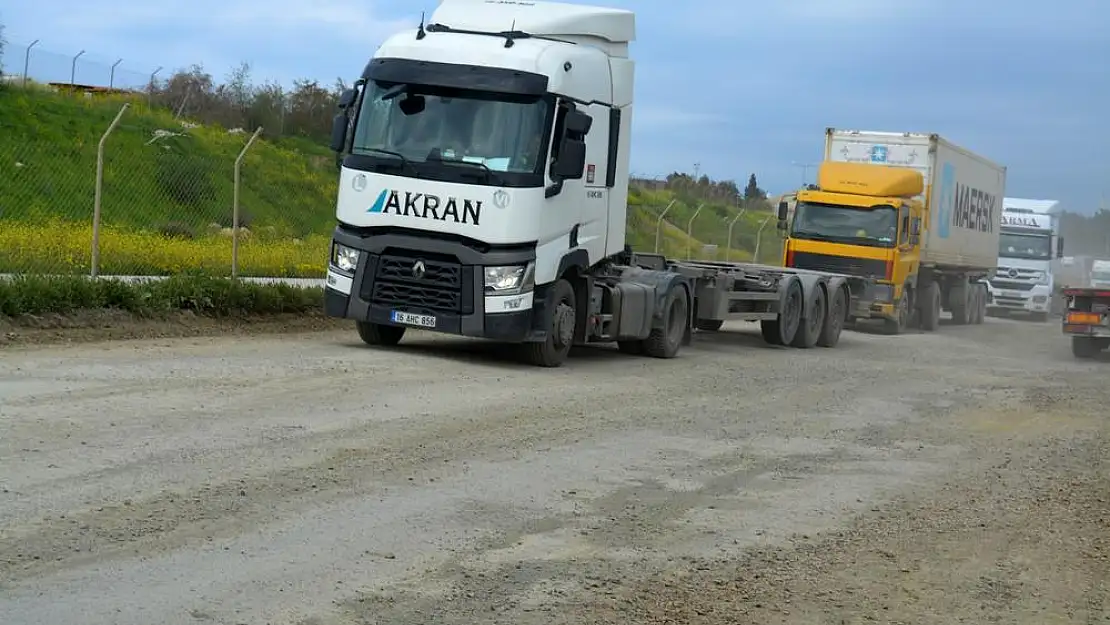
418, 269
358, 183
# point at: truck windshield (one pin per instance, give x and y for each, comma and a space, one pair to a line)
495, 132
874, 227
1031, 246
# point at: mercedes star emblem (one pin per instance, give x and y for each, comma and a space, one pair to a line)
1013, 273
418, 269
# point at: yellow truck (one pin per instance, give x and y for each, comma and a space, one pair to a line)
914, 212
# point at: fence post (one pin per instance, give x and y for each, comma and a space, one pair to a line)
27, 61
659, 224
690, 229
98, 194
759, 238
235, 205
728, 244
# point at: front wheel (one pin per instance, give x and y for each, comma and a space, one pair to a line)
561, 318
379, 334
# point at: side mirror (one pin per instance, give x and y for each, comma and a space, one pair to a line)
1059, 247
571, 162
784, 210
915, 227
577, 124
339, 132
347, 98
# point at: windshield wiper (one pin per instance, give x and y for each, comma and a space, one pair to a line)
405, 163
488, 172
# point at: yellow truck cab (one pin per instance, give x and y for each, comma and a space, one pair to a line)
860, 220
919, 214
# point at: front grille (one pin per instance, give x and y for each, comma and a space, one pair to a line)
1010, 285
445, 286
863, 267
436, 273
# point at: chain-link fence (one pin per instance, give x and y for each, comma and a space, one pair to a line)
155, 193
96, 183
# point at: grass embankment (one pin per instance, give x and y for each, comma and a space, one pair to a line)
167, 196
167, 192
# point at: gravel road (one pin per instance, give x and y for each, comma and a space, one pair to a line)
956, 477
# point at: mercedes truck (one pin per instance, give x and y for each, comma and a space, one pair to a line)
484, 164
914, 212
1023, 282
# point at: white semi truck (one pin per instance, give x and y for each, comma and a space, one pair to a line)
1030, 240
482, 192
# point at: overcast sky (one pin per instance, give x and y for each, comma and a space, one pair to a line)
733, 88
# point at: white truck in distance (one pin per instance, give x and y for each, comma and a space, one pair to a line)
1023, 281
482, 192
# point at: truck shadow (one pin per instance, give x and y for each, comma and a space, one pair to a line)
487, 353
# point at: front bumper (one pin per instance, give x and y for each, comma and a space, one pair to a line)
1036, 300
451, 290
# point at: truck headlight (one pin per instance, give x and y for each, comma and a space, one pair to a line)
883, 293
1043, 277
509, 280
344, 258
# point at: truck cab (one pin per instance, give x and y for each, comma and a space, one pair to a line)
1100, 274
1028, 243
860, 220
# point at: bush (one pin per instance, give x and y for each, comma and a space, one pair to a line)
212, 297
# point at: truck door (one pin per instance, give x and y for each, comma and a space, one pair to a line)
905, 262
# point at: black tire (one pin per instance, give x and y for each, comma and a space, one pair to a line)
979, 309
813, 323
709, 325
379, 335
560, 323
901, 319
834, 320
666, 341
781, 330
959, 303
1085, 347
929, 307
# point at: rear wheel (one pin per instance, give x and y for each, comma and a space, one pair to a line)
379, 334
813, 322
980, 308
781, 329
1085, 347
959, 300
834, 319
665, 342
561, 316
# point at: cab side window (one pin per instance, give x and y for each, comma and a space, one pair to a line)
904, 230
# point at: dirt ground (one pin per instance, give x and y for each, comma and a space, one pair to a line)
302, 479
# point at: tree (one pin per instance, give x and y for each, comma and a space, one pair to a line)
752, 192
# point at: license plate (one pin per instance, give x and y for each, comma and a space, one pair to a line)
412, 319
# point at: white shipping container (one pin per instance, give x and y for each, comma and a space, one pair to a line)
963, 191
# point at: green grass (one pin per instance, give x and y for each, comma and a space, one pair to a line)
212, 297
182, 185
48, 150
